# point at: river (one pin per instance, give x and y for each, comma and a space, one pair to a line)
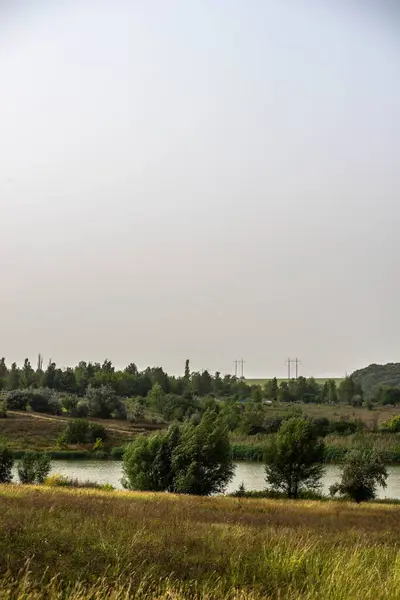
250, 473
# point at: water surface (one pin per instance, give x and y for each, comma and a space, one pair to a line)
250, 473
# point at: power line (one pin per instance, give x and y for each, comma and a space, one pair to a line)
293, 361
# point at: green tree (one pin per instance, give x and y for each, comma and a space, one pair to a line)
189, 459
294, 458
284, 392
28, 377
272, 389
202, 460
348, 388
13, 378
33, 467
6, 462
147, 462
187, 370
363, 471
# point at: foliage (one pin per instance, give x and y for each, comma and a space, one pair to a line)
202, 460
3, 409
294, 458
6, 462
374, 376
362, 471
57, 480
104, 403
392, 425
147, 462
194, 458
80, 431
33, 467
18, 399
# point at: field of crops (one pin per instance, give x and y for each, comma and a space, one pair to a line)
89, 544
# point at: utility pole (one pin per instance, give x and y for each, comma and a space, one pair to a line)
289, 363
242, 362
297, 362
235, 362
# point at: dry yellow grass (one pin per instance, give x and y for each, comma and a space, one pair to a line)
82, 544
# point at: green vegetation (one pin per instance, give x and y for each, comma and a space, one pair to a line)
84, 544
33, 467
294, 458
375, 379
6, 462
362, 472
194, 458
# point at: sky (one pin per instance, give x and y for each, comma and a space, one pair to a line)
212, 180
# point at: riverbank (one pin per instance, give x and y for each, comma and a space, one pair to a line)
252, 448
192, 547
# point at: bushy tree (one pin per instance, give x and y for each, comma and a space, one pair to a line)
147, 462
6, 462
363, 471
33, 467
13, 378
18, 399
104, 403
294, 458
46, 401
202, 460
80, 431
194, 458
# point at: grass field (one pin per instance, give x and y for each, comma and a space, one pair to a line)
85, 544
263, 381
33, 431
371, 418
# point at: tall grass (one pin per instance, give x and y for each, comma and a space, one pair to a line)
253, 447
79, 544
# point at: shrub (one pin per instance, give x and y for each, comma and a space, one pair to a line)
81, 431
391, 426
362, 471
6, 462
69, 403
57, 480
45, 401
3, 410
81, 410
18, 399
33, 467
344, 427
103, 403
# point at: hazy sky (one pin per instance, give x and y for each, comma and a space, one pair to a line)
212, 179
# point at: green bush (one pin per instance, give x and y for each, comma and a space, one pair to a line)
6, 462
33, 467
3, 410
18, 399
57, 480
363, 471
81, 431
391, 426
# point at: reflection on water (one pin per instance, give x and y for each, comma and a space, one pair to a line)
250, 473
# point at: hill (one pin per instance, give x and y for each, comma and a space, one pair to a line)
58, 543
373, 377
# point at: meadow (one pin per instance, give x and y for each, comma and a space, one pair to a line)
80, 544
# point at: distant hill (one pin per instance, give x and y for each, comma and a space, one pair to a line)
375, 376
